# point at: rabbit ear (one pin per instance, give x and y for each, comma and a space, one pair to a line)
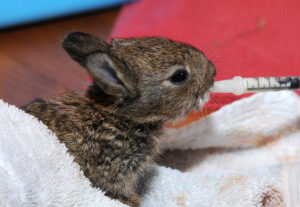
106, 74
79, 45
92, 53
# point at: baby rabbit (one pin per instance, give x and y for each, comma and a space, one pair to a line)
112, 129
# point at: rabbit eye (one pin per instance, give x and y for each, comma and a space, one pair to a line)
179, 77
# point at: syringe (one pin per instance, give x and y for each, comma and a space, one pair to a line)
239, 85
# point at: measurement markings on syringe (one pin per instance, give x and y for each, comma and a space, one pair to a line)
293, 82
269, 83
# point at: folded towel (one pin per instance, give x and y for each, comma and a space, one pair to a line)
258, 165
258, 155
36, 170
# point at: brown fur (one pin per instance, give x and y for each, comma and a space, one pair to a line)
112, 129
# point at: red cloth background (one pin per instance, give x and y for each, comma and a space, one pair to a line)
248, 38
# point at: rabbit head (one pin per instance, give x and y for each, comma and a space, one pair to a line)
150, 79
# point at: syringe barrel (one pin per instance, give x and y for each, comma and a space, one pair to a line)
239, 85
272, 83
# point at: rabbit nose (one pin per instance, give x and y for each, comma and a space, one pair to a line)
215, 72
212, 67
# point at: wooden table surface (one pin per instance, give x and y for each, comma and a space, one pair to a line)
33, 63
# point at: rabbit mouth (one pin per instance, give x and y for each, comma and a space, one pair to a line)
204, 98
201, 101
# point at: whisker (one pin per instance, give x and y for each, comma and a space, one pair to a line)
204, 111
215, 102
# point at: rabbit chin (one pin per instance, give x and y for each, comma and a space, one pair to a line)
199, 103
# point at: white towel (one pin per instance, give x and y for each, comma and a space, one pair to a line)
258, 165
36, 170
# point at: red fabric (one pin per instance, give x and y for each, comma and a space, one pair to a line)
248, 38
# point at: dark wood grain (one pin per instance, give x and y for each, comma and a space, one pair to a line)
33, 63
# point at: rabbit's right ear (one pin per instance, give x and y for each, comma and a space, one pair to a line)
92, 53
79, 45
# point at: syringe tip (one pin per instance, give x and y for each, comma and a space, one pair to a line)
236, 86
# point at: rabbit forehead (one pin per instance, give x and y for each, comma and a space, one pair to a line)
154, 56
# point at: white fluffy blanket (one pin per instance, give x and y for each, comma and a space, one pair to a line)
258, 163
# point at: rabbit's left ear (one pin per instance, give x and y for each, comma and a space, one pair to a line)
92, 53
